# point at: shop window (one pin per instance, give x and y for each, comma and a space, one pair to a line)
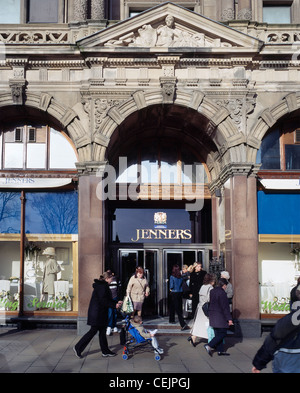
50, 252
279, 271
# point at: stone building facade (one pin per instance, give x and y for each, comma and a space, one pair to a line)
210, 79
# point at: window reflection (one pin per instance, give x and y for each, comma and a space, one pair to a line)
10, 212
52, 212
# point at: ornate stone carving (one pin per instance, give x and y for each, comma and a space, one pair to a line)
244, 14
18, 90
166, 35
168, 85
227, 14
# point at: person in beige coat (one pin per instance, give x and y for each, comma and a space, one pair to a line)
138, 289
201, 322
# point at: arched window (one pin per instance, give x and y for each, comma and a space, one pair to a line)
161, 164
36, 148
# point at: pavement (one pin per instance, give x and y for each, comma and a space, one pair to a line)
45, 350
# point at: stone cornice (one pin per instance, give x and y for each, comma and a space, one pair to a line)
231, 170
90, 168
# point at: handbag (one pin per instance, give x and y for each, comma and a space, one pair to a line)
127, 306
205, 309
205, 306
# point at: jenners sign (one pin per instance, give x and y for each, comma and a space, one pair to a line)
162, 234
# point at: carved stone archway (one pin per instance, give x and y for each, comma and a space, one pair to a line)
219, 127
268, 118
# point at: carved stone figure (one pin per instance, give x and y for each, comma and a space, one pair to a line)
166, 35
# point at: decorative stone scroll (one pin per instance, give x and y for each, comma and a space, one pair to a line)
165, 35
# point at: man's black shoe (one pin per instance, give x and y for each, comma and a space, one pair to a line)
223, 354
208, 349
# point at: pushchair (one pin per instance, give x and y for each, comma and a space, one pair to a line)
132, 340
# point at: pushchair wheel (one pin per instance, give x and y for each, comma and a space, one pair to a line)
125, 356
157, 357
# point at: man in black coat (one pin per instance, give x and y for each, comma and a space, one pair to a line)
219, 317
196, 281
100, 302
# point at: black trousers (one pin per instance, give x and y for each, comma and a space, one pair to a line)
86, 339
176, 306
217, 342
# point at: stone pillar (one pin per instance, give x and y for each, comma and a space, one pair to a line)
97, 10
244, 252
90, 241
80, 10
244, 11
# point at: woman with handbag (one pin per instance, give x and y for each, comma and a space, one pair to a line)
138, 288
201, 321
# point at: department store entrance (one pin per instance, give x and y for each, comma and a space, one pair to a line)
157, 263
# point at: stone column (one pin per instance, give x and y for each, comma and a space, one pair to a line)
80, 10
90, 240
97, 10
244, 252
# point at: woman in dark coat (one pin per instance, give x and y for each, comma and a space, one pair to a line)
219, 317
100, 302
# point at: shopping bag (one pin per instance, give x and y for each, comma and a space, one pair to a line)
210, 333
188, 305
127, 306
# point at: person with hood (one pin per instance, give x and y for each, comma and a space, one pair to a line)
282, 345
100, 302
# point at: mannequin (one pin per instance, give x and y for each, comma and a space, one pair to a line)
51, 269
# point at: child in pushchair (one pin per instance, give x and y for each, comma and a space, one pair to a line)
140, 337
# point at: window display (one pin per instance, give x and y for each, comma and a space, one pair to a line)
50, 252
279, 272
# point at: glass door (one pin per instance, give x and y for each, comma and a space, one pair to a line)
129, 260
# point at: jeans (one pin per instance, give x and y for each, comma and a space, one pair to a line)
85, 340
217, 342
112, 316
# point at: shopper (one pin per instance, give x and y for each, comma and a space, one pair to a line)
185, 290
282, 345
112, 311
196, 281
176, 292
100, 301
201, 321
219, 318
229, 287
138, 289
